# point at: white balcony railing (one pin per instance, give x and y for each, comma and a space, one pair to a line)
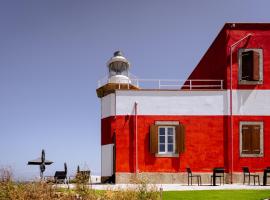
169, 84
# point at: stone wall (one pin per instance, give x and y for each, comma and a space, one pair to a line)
180, 178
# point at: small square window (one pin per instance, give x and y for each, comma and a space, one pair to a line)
250, 66
251, 139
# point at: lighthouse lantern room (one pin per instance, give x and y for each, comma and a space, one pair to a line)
119, 76
118, 68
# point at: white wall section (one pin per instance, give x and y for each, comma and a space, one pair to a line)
108, 105
189, 103
172, 102
107, 160
251, 102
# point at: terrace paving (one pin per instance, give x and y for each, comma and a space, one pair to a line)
175, 187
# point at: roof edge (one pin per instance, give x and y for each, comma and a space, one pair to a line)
244, 25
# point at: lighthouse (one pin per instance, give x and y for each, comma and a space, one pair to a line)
118, 78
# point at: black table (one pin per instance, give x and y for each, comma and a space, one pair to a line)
265, 172
218, 172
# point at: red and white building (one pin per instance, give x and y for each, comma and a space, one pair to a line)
219, 117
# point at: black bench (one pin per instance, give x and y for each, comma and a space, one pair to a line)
60, 177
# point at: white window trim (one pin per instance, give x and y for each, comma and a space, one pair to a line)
261, 138
245, 82
166, 153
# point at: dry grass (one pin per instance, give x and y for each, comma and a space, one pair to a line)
10, 190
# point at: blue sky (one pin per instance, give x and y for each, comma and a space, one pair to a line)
52, 53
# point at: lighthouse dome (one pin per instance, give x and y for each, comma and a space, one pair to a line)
118, 68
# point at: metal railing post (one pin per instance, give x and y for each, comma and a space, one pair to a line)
221, 84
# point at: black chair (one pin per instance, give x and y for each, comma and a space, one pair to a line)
247, 173
218, 172
190, 176
266, 174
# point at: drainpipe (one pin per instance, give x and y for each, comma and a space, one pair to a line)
231, 100
136, 137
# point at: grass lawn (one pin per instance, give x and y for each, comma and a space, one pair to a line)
217, 195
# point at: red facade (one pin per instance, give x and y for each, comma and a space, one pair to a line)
208, 139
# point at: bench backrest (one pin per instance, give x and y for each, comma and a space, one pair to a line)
60, 175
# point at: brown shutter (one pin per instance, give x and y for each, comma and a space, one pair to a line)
246, 139
180, 138
177, 139
247, 65
153, 139
255, 137
256, 66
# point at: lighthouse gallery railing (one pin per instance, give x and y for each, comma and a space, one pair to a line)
172, 84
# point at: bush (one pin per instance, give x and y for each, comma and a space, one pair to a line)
10, 190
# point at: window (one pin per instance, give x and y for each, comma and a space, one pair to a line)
251, 139
167, 138
250, 66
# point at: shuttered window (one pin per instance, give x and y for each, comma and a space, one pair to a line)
251, 138
167, 140
251, 66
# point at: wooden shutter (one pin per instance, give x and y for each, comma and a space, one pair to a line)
246, 139
255, 138
180, 138
153, 139
256, 66
247, 65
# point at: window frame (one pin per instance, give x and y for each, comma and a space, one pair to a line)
261, 154
245, 82
166, 142
167, 124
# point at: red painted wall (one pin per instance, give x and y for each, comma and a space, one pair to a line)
259, 39
215, 64
207, 145
107, 130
